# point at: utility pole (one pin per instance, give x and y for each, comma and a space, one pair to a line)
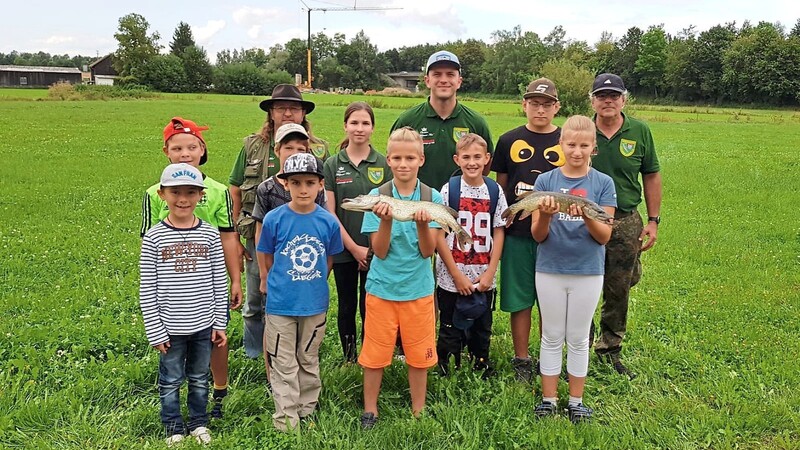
308, 45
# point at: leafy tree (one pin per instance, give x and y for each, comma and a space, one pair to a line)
472, 55
629, 47
182, 39
681, 79
605, 55
392, 58
246, 78
795, 30
197, 69
706, 59
573, 84
555, 42
362, 64
579, 53
652, 58
762, 66
512, 60
162, 73
135, 47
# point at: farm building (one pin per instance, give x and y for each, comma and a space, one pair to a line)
33, 76
406, 80
103, 72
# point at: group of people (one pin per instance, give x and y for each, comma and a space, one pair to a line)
283, 215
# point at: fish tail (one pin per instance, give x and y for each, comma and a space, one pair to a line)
463, 238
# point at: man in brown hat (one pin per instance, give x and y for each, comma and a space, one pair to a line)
520, 156
255, 163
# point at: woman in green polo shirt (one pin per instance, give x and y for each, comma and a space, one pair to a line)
356, 169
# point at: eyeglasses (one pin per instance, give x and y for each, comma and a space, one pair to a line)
607, 96
283, 109
545, 106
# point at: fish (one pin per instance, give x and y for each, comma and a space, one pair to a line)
529, 202
403, 210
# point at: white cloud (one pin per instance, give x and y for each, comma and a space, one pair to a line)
443, 17
204, 33
250, 16
57, 40
254, 31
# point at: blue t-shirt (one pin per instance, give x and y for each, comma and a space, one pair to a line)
569, 248
297, 283
404, 274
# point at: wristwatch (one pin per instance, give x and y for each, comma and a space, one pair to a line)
656, 219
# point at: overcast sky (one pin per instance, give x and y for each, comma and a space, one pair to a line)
87, 27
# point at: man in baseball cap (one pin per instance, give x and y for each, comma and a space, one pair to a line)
442, 120
625, 149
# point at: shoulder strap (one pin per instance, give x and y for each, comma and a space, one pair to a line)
425, 192
454, 192
386, 189
494, 197
253, 144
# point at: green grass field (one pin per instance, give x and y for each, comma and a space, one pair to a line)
713, 331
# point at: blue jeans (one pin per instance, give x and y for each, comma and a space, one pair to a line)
189, 357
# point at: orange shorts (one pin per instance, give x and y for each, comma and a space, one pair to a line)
416, 321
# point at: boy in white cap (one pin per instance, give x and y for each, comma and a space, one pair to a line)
183, 294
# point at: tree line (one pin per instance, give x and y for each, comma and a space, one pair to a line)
745, 64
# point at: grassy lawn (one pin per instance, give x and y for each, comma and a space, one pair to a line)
713, 330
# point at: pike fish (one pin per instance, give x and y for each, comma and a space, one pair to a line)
529, 203
403, 210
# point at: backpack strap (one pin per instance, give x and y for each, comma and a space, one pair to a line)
454, 192
494, 194
425, 192
386, 189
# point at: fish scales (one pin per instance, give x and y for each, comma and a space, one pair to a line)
403, 210
530, 203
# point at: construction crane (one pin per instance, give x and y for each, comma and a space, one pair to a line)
325, 9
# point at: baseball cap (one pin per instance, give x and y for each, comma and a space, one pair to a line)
608, 82
301, 164
469, 308
179, 125
287, 129
182, 175
442, 56
541, 87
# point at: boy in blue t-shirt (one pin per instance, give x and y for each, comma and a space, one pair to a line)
296, 246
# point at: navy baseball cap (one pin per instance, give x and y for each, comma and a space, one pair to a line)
469, 308
608, 82
442, 56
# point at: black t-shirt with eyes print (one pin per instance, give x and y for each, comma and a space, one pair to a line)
524, 155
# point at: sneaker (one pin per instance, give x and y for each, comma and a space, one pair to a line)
579, 413
614, 361
523, 369
174, 439
202, 435
216, 410
486, 366
545, 409
368, 420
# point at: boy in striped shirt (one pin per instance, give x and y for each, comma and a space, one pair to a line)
183, 294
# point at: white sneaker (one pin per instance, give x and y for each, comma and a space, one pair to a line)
174, 439
202, 435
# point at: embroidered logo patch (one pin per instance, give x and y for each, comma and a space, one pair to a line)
375, 174
458, 133
627, 147
318, 150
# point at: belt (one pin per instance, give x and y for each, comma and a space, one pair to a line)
623, 214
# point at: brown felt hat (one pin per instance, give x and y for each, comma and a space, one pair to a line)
286, 92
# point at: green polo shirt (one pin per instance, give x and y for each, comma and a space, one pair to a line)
440, 137
347, 180
623, 157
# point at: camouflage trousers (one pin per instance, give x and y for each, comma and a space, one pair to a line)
623, 271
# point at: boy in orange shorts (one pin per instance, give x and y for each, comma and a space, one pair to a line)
400, 281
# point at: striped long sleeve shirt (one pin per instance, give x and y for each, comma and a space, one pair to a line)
183, 284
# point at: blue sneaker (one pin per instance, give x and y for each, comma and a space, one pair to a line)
580, 413
545, 409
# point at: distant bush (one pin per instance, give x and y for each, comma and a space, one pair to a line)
573, 84
247, 78
67, 91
